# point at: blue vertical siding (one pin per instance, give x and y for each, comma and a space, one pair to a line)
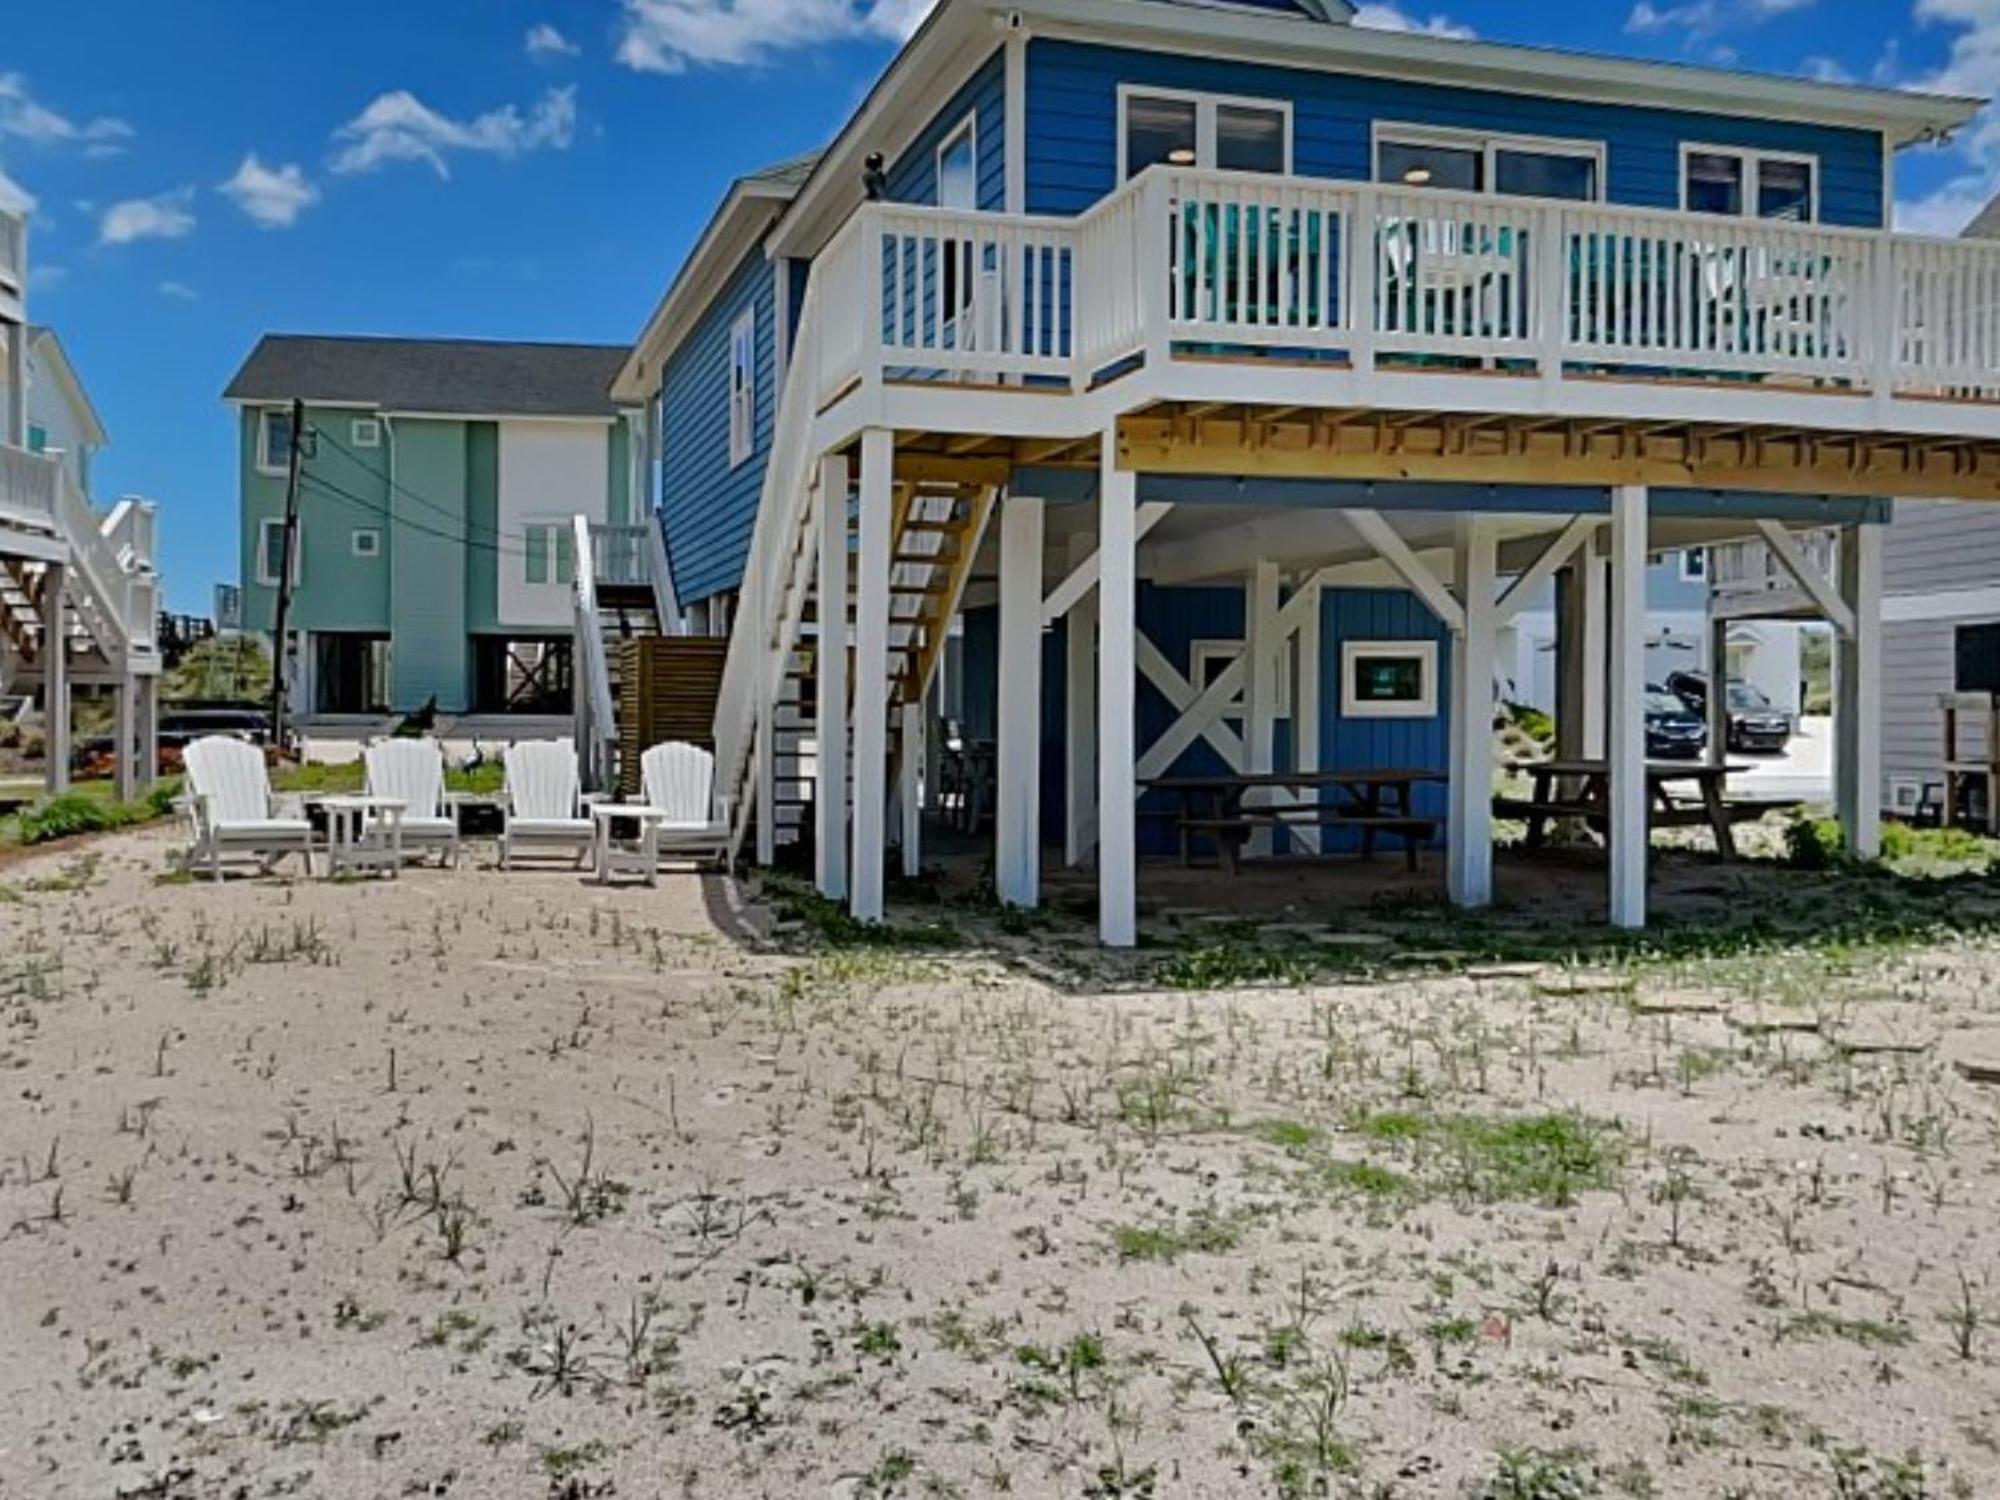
1072, 130
707, 506
1174, 619
913, 175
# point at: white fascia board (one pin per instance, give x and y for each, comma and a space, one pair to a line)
1545, 72
747, 210
51, 347
256, 401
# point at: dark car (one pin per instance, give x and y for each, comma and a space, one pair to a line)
191, 722
1755, 723
1673, 732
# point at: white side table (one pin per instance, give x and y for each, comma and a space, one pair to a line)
616, 858
363, 834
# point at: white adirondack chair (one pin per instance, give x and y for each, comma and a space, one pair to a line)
544, 802
679, 780
412, 772
231, 810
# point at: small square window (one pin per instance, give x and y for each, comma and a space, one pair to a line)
1388, 679
367, 541
365, 432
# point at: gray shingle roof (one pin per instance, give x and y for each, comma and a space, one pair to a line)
472, 377
1987, 225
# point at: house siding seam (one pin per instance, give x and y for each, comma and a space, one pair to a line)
1072, 127
707, 507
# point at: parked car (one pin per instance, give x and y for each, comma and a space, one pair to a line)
1672, 731
1755, 723
190, 722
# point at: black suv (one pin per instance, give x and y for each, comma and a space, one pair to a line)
1755, 723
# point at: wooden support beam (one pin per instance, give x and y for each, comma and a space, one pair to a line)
915, 467
1559, 550
1083, 577
1814, 584
1394, 551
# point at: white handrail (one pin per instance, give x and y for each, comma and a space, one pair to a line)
27, 488
597, 718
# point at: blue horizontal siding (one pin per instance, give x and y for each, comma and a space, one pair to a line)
708, 507
1072, 129
912, 177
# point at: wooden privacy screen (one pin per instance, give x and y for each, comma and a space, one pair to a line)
667, 686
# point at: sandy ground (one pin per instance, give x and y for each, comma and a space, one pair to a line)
504, 1185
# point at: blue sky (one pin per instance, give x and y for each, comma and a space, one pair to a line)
205, 171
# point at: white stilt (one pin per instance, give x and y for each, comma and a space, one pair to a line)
1626, 729
1117, 793
871, 673
1596, 621
55, 679
124, 729
909, 788
830, 704
149, 733
1080, 717
1018, 768
1857, 717
1305, 702
1718, 692
765, 748
1260, 704
1469, 827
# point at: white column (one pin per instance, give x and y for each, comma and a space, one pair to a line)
1117, 793
1469, 827
1018, 795
1595, 620
1306, 707
124, 730
871, 673
909, 787
55, 679
1080, 716
149, 732
1260, 705
830, 706
1857, 717
765, 751
1718, 691
1626, 729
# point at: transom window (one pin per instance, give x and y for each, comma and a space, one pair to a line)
1467, 162
1165, 126
1750, 184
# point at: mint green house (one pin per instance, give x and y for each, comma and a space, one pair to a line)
440, 485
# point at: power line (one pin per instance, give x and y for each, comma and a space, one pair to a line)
399, 487
381, 512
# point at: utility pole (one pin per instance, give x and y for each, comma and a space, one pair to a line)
279, 654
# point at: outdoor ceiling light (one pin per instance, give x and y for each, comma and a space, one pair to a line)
1181, 156
1418, 176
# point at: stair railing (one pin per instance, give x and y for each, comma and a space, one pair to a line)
596, 715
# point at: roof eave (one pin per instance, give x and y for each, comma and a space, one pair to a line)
94, 429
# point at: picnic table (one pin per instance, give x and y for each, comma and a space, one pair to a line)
1373, 801
1587, 795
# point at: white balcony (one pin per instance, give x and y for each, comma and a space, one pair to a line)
27, 490
1202, 284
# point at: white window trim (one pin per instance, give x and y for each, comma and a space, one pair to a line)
557, 527
264, 464
1689, 572
370, 425
1753, 159
1423, 707
968, 129
1205, 106
1489, 144
1226, 649
373, 535
265, 576
743, 335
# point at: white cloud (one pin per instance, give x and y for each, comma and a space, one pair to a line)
22, 117
1702, 19
669, 36
273, 197
399, 126
1826, 70
1389, 17
1972, 66
164, 216
545, 41
180, 291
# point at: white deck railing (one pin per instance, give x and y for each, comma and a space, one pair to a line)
27, 489
596, 714
1739, 571
1233, 262
621, 556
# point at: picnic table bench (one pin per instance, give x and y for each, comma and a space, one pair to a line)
1587, 797
1373, 802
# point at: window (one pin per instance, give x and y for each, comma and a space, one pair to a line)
365, 432
1694, 565
1209, 659
271, 552
1158, 127
548, 553
1388, 679
274, 440
1468, 162
958, 167
1761, 185
38, 439
742, 387
367, 541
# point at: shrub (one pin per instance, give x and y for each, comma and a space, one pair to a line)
75, 813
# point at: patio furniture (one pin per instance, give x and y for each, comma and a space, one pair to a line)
679, 780
1586, 795
1373, 802
545, 805
614, 857
231, 810
364, 835
411, 773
